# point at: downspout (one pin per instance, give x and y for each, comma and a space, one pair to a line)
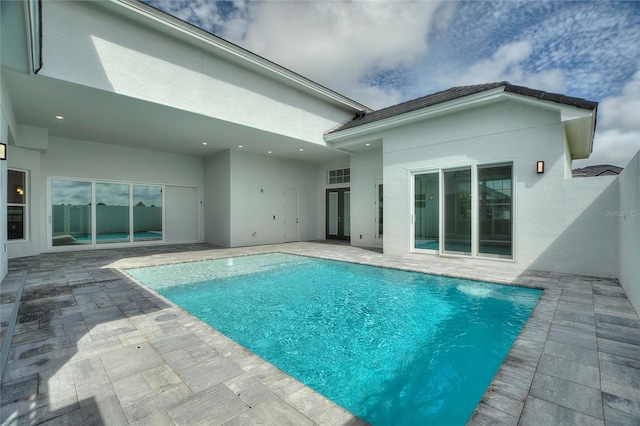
33, 13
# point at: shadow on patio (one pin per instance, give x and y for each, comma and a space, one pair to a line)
81, 339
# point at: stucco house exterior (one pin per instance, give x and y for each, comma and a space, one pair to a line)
125, 126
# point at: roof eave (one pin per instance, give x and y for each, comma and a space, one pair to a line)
417, 115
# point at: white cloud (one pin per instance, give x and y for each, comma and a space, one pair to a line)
339, 44
617, 138
507, 63
622, 112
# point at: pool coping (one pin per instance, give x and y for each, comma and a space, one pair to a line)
550, 373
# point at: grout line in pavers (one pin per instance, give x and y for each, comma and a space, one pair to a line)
6, 342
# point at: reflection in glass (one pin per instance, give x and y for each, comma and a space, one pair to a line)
347, 213
147, 213
457, 211
426, 212
380, 210
333, 213
71, 212
494, 210
112, 213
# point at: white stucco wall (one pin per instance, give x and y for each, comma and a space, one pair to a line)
89, 160
217, 199
558, 222
258, 183
628, 217
89, 45
366, 169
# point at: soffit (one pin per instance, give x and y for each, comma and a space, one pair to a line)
105, 117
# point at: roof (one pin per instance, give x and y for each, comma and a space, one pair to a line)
460, 92
599, 170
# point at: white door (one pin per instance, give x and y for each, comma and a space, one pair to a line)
290, 214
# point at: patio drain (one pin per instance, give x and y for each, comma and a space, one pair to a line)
165, 317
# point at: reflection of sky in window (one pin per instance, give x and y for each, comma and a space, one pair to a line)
148, 195
70, 192
112, 194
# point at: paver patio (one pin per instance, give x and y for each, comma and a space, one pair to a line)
89, 347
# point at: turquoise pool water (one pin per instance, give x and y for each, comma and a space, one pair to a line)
393, 347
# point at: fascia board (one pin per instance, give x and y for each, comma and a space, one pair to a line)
418, 115
567, 112
228, 50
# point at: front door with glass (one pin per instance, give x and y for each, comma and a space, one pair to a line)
338, 214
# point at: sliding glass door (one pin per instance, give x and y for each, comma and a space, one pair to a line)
147, 213
465, 211
426, 215
112, 213
457, 211
495, 210
70, 212
87, 213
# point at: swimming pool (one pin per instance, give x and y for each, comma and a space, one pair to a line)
393, 347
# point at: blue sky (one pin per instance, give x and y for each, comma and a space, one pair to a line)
384, 52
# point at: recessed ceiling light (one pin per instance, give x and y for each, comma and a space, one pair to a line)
268, 152
240, 146
367, 144
59, 117
301, 149
204, 143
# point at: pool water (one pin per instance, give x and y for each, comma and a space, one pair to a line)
392, 347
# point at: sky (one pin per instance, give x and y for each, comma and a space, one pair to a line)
382, 52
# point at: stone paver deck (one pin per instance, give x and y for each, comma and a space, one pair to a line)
87, 348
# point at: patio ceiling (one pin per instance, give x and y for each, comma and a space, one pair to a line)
104, 117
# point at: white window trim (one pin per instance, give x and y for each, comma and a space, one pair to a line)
94, 245
474, 209
26, 225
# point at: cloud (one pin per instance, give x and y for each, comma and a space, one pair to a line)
343, 45
617, 137
622, 112
509, 63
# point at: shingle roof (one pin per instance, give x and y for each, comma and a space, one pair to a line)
456, 93
599, 170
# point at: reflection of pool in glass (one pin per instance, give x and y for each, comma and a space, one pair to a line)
393, 347
119, 237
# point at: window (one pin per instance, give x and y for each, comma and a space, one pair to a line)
339, 176
473, 209
88, 212
16, 205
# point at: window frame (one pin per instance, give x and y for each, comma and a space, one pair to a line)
340, 175
25, 207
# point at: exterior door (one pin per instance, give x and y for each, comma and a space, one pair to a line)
338, 222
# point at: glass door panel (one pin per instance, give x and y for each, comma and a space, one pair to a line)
70, 212
347, 213
112, 213
495, 210
457, 211
147, 213
338, 214
380, 218
426, 211
332, 211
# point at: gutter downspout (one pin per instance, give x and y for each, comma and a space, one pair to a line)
33, 13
